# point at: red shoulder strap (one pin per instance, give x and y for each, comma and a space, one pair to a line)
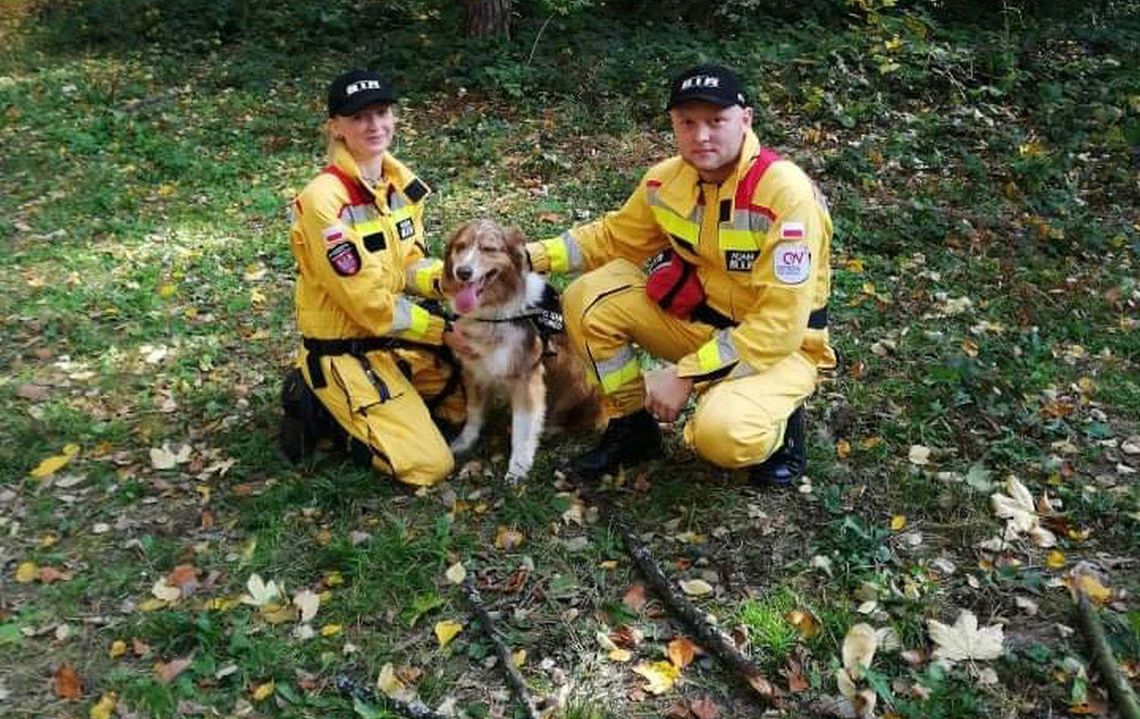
748, 183
357, 193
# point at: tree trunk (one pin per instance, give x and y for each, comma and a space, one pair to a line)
486, 18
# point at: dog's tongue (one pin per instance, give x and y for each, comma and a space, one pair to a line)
465, 298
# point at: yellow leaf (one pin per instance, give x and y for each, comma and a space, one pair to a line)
804, 623
843, 449
609, 565
104, 708
153, 604
507, 538
264, 691
620, 655
859, 647
854, 265
27, 572
334, 579
681, 652
331, 630
166, 290
53, 464
897, 522
1055, 559
256, 297
869, 443
388, 682
165, 592
456, 573
118, 649
165, 190
518, 658
446, 630
661, 675
696, 587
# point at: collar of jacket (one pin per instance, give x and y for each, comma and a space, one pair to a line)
680, 183
396, 173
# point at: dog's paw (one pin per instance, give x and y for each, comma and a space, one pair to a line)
516, 472
463, 443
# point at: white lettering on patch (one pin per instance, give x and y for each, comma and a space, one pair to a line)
791, 262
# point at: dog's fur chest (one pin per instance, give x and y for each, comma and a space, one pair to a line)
507, 349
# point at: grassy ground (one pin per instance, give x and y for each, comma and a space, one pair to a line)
984, 189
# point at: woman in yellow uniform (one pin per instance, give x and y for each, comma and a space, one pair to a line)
373, 360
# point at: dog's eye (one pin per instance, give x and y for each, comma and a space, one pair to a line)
490, 248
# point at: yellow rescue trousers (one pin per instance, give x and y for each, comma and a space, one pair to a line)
737, 422
378, 399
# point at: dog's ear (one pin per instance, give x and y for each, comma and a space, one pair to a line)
516, 246
448, 254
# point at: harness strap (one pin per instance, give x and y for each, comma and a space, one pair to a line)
318, 348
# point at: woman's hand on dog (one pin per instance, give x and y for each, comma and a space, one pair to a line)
454, 338
666, 393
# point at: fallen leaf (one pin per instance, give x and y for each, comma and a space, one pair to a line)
307, 603
118, 649
919, 454
681, 652
165, 672
859, 649
661, 675
704, 708
1020, 512
507, 538
104, 708
260, 592
162, 590
185, 578
634, 597
446, 630
619, 655
53, 464
1084, 579
804, 623
964, 641
165, 458
27, 572
898, 522
388, 683
331, 630
843, 449
66, 682
1055, 559
263, 691
456, 573
696, 587
518, 658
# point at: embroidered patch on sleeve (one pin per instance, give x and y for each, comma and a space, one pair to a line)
406, 228
333, 234
791, 262
344, 258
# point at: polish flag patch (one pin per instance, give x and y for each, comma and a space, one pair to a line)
791, 262
792, 231
333, 234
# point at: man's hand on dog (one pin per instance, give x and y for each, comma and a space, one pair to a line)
666, 393
454, 338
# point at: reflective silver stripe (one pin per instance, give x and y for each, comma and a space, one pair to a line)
617, 371
396, 201
745, 219
359, 213
726, 348
573, 251
653, 195
401, 315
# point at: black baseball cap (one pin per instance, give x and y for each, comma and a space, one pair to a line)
707, 83
357, 89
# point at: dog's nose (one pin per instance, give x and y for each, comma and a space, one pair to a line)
463, 272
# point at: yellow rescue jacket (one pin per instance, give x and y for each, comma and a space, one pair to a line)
358, 250
760, 242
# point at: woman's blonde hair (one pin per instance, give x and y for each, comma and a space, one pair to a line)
332, 142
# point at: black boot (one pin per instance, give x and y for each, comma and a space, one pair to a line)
627, 440
305, 421
787, 464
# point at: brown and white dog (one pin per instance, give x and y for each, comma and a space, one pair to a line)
511, 319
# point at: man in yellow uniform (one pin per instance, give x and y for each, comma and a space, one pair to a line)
737, 304
372, 362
